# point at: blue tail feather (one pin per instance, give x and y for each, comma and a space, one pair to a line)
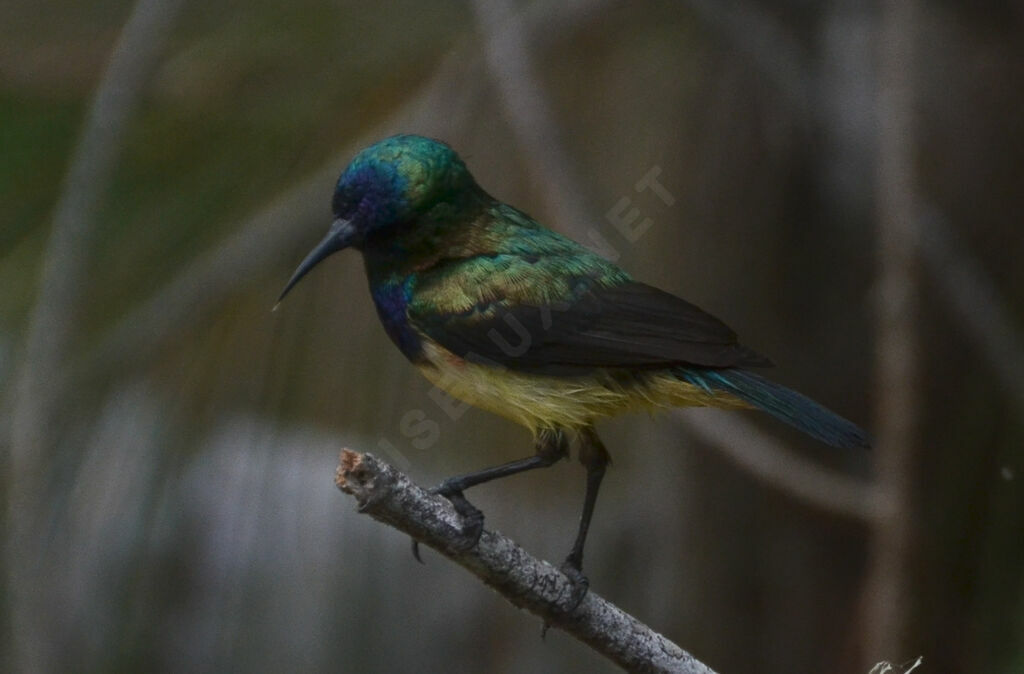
782, 403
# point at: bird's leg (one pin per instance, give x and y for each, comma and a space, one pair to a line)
551, 446
595, 459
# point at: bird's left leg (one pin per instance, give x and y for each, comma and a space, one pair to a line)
551, 446
595, 459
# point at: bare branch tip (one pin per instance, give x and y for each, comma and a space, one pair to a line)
350, 467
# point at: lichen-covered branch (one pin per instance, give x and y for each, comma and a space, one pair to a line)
391, 497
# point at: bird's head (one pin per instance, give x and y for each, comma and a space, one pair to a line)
386, 188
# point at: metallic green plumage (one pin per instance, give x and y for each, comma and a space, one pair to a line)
502, 258
514, 318
460, 279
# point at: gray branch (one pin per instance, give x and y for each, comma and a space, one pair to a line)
389, 496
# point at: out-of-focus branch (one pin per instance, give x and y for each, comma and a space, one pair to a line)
35, 397
973, 296
259, 241
758, 34
886, 592
529, 583
963, 281
781, 469
301, 211
506, 47
535, 127
207, 280
51, 324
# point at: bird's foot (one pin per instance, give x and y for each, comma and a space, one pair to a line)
472, 520
571, 568
580, 586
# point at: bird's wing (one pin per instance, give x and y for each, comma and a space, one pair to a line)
624, 324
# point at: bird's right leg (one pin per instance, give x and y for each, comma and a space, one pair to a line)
551, 446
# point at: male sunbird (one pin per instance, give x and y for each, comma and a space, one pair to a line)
507, 315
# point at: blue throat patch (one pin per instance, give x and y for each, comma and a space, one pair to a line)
391, 300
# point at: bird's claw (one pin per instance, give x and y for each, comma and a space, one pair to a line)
416, 551
580, 586
580, 583
472, 520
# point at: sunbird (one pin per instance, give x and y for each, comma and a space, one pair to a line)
507, 315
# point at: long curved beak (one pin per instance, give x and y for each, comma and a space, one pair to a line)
340, 236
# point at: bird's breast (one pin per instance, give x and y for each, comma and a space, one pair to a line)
545, 402
531, 401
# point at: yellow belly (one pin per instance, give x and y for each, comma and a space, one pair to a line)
542, 402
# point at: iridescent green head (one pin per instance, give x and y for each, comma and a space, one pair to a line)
385, 188
397, 179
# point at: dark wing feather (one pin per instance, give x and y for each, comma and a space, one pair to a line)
631, 325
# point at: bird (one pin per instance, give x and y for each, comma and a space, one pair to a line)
512, 317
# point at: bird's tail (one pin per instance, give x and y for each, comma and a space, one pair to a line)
782, 403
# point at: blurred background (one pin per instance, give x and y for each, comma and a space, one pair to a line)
844, 189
